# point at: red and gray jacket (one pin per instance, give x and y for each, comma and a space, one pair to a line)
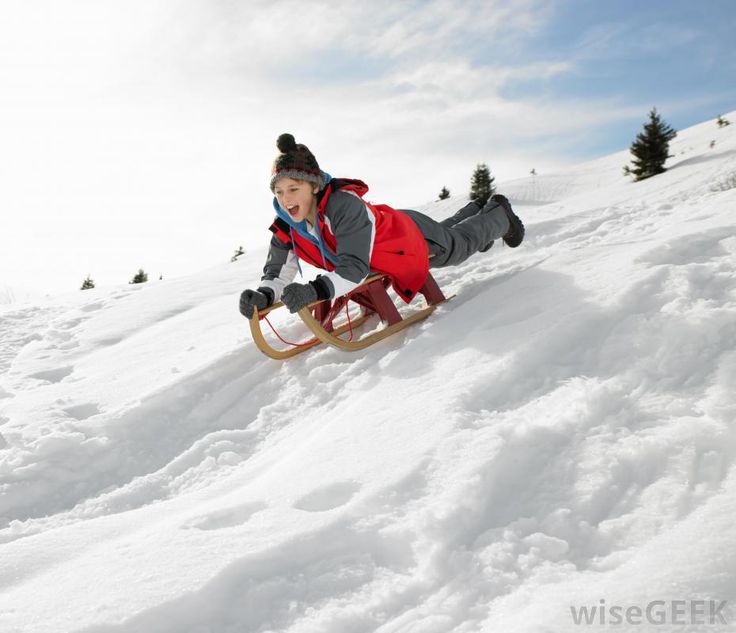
351, 239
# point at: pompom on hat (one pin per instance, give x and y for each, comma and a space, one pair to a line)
295, 161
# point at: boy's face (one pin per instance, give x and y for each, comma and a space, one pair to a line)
296, 196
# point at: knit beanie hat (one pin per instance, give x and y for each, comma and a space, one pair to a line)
295, 161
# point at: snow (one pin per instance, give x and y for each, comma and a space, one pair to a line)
12, 294
561, 433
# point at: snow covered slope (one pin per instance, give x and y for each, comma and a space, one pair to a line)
9, 294
559, 434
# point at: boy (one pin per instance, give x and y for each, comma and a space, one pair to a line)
326, 222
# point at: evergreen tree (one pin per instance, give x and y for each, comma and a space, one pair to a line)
237, 254
651, 148
88, 284
140, 278
481, 185
722, 122
444, 194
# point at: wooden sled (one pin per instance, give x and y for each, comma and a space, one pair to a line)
372, 297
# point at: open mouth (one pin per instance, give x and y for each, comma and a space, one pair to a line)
293, 211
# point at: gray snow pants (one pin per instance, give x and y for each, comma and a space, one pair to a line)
456, 238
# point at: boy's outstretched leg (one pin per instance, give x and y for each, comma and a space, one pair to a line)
470, 230
515, 234
469, 210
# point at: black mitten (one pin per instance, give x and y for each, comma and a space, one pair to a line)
296, 296
261, 298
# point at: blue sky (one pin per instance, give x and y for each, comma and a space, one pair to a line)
140, 134
677, 55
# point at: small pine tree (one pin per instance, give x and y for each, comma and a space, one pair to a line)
237, 254
722, 122
445, 193
481, 185
140, 278
88, 284
651, 147
712, 144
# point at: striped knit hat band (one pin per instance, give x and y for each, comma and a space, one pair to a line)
295, 161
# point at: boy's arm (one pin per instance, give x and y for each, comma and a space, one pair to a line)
353, 226
280, 268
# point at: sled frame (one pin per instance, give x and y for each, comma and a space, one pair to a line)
371, 295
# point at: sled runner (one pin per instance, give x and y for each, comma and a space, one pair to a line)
372, 297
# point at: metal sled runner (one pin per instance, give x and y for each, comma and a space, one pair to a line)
372, 297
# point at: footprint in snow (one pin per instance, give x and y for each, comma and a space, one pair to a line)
68, 345
82, 411
71, 323
229, 517
328, 497
91, 307
59, 335
109, 342
53, 375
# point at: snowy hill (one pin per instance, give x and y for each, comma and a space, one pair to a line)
9, 294
561, 433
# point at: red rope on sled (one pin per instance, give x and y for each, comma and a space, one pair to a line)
273, 329
311, 341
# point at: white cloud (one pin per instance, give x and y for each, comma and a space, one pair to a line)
134, 125
610, 40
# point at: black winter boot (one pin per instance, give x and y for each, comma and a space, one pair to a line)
515, 235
